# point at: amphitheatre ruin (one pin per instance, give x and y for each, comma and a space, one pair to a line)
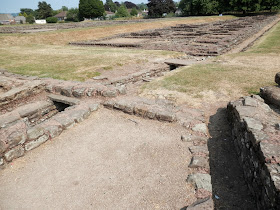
134, 133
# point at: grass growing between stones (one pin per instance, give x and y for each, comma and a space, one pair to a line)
227, 76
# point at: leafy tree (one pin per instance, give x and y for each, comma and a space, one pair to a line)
51, 20
64, 8
30, 19
158, 7
110, 6
134, 12
91, 8
117, 3
27, 11
44, 10
73, 15
199, 7
142, 6
129, 5
122, 11
271, 4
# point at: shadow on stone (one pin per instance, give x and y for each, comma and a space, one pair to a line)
229, 188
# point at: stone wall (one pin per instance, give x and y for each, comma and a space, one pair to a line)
255, 129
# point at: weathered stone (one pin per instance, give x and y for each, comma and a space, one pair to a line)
35, 132
79, 114
17, 137
271, 94
246, 111
151, 114
201, 127
3, 146
140, 110
253, 124
249, 101
199, 162
33, 144
79, 92
110, 93
193, 138
203, 149
64, 99
14, 153
91, 92
206, 204
200, 181
1, 161
121, 89
53, 129
65, 121
109, 104
93, 106
277, 78
67, 91
9, 118
270, 151
165, 116
32, 108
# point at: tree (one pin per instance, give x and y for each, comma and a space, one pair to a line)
117, 3
134, 12
199, 7
158, 7
51, 20
44, 10
110, 6
91, 8
73, 15
129, 5
122, 11
142, 6
30, 19
245, 5
27, 11
271, 4
64, 8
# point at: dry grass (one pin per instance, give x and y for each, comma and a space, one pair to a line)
228, 76
47, 54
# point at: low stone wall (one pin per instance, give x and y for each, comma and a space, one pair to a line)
18, 136
255, 129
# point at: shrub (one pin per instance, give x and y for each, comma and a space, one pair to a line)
51, 20
30, 19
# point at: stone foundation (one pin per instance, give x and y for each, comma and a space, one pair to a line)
256, 137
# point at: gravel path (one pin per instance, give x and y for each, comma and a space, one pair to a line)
110, 161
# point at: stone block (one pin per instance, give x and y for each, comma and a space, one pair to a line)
203, 149
271, 95
3, 146
32, 108
9, 118
110, 93
166, 116
79, 92
199, 162
249, 101
193, 138
33, 144
93, 106
78, 114
109, 104
16, 138
140, 110
201, 128
14, 153
64, 99
35, 132
64, 120
121, 89
1, 161
253, 124
200, 181
91, 92
67, 91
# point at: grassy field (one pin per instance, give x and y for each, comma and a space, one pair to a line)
228, 76
47, 54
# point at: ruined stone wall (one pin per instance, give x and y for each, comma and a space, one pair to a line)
256, 139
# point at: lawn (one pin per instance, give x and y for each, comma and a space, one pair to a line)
47, 54
227, 76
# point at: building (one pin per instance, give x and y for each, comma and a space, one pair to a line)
7, 19
61, 16
109, 14
20, 20
40, 21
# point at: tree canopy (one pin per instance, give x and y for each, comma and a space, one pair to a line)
110, 6
158, 7
122, 11
91, 9
44, 10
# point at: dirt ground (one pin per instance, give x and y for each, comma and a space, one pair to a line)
110, 161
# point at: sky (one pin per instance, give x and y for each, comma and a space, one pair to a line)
13, 6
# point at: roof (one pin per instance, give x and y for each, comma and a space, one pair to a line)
61, 14
17, 18
6, 17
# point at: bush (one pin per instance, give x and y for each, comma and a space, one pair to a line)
30, 19
51, 20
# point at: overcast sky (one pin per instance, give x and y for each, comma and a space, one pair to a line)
13, 6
